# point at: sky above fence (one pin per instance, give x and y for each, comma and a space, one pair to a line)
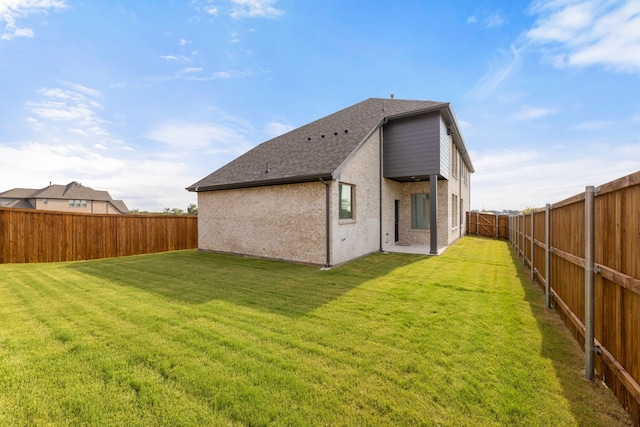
144, 98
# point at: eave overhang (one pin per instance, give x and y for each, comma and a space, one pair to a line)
327, 176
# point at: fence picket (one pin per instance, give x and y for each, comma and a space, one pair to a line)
48, 236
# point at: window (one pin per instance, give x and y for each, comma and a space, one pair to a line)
454, 211
77, 203
420, 211
454, 160
346, 201
45, 201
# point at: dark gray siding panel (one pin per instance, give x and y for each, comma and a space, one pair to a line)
445, 150
412, 146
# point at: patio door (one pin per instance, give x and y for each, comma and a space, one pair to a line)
396, 226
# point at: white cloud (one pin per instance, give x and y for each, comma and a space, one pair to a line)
73, 114
494, 20
17, 32
75, 104
255, 9
519, 179
191, 70
12, 11
190, 73
490, 21
222, 75
499, 71
594, 125
464, 124
273, 129
530, 113
589, 32
200, 136
57, 160
212, 11
84, 90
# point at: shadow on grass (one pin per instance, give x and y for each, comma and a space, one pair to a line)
591, 402
275, 286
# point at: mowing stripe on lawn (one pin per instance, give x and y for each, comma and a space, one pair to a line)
191, 338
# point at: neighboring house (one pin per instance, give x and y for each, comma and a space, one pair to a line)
381, 175
72, 197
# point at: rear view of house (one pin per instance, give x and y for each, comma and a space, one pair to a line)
381, 175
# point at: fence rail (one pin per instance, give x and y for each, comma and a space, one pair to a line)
46, 236
596, 291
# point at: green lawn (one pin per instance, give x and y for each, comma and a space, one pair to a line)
190, 338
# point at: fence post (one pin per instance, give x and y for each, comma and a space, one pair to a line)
511, 227
478, 223
589, 249
497, 235
511, 230
517, 219
533, 276
547, 255
524, 239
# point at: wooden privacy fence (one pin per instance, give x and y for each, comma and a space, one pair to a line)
488, 225
585, 252
46, 236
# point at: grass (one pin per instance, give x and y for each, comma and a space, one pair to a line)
189, 338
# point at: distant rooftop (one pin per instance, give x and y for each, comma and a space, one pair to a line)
19, 197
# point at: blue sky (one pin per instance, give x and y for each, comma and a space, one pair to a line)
143, 98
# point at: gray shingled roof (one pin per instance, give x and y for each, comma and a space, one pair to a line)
314, 150
73, 190
17, 193
15, 203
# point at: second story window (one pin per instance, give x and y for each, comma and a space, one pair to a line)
77, 203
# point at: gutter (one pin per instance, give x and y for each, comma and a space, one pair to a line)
327, 263
460, 204
380, 171
248, 184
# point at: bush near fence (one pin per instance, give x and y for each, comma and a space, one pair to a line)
46, 236
562, 266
